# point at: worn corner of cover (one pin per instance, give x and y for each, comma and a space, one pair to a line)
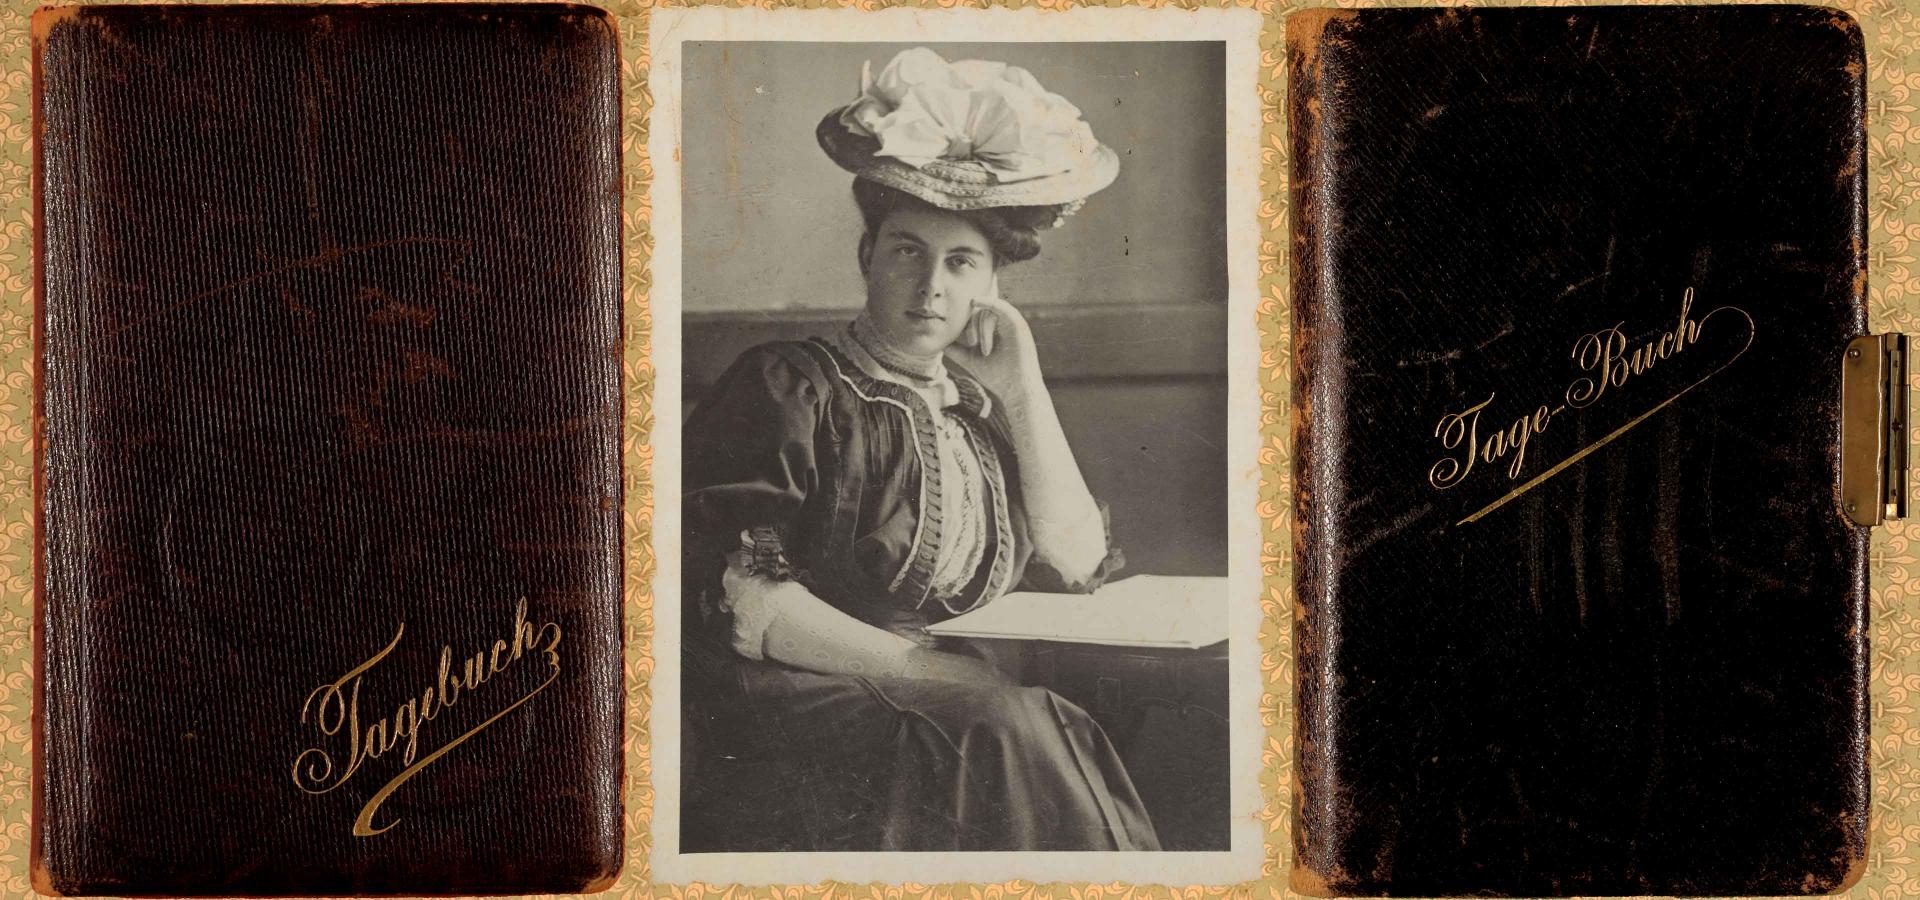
1856, 869
1304, 880
43, 878
600, 15
1306, 28
602, 881
1845, 21
46, 17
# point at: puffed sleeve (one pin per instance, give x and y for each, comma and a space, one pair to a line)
1041, 575
748, 465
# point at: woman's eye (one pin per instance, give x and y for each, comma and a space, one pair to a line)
907, 250
961, 262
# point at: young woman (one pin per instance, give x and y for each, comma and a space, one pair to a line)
843, 493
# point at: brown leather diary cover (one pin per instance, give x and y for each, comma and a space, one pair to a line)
329, 455
1579, 608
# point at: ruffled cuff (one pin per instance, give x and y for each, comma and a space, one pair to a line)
753, 602
1042, 575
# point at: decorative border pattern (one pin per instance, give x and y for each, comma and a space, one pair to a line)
1892, 30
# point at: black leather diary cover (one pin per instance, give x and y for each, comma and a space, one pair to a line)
329, 454
1578, 609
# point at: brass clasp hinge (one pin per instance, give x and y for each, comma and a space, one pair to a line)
1873, 429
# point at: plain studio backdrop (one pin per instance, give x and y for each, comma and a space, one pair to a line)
1127, 299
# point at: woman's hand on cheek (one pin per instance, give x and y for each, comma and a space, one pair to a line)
997, 346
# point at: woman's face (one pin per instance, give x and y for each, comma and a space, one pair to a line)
924, 271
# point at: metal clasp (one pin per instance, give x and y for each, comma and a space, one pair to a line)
1873, 429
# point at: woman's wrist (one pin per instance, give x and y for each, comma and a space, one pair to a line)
939, 665
1026, 397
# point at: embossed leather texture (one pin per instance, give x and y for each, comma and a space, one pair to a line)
1578, 610
329, 342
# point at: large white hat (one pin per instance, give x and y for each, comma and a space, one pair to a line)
966, 135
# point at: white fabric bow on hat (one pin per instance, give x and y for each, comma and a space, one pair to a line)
923, 108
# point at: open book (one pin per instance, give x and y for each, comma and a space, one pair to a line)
1141, 611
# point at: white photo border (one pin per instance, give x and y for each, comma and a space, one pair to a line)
1240, 30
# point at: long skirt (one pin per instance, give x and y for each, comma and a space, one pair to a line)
879, 763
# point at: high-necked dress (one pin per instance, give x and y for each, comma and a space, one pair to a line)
900, 505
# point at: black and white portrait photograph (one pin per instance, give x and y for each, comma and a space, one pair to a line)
951, 346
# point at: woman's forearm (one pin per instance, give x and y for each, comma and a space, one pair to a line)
1065, 521
784, 621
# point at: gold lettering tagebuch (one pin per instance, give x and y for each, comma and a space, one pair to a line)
1608, 361
333, 709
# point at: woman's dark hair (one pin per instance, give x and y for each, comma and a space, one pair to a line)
1013, 232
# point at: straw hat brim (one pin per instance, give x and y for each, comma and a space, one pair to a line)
962, 184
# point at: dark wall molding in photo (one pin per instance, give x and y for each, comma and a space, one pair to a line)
1087, 342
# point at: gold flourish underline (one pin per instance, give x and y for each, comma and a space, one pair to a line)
1582, 452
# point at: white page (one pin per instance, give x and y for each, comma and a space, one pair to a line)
1141, 611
